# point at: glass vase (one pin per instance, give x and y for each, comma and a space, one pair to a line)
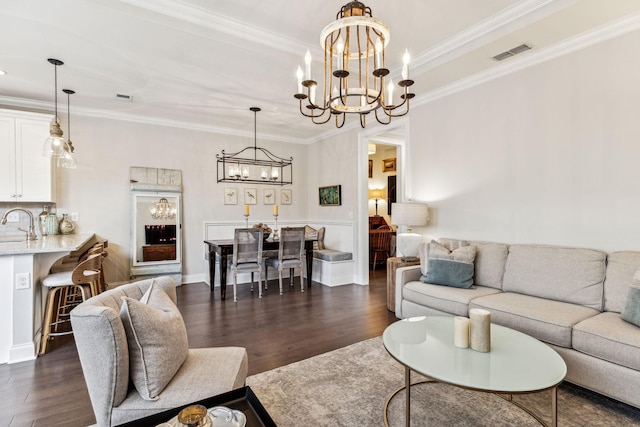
66, 226
51, 224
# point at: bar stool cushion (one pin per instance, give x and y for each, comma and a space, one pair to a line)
157, 338
58, 279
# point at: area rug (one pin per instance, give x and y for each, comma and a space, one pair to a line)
349, 386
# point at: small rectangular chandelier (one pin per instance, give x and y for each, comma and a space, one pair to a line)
263, 168
354, 72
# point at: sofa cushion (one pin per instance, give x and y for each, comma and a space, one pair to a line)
451, 244
489, 264
450, 268
444, 298
631, 311
621, 267
572, 275
157, 339
206, 372
608, 337
547, 320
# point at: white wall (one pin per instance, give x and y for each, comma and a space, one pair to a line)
546, 155
99, 189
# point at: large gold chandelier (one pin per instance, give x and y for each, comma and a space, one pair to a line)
354, 72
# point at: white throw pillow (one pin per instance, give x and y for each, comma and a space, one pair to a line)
157, 339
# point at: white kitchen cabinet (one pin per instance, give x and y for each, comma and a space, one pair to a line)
25, 174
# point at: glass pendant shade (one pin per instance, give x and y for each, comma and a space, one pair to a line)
67, 159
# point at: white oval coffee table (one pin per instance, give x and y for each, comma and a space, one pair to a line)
517, 363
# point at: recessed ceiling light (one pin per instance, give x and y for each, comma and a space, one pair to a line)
2, 72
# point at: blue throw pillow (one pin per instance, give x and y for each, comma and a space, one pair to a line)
631, 310
450, 268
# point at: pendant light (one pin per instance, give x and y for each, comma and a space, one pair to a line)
54, 144
67, 160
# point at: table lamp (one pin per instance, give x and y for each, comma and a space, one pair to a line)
376, 194
409, 215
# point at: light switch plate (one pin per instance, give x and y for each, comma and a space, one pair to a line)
74, 216
22, 281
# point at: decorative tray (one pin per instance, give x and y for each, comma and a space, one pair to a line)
241, 399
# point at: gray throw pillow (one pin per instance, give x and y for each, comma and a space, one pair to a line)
631, 310
450, 268
157, 339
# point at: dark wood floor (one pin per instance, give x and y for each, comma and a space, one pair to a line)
275, 330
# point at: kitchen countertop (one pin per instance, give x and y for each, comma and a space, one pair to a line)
55, 243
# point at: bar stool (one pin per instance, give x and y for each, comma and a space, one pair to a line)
68, 263
66, 290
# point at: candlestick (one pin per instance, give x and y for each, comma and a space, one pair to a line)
461, 332
246, 216
246, 210
275, 229
480, 329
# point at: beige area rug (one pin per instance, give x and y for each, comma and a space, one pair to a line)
349, 386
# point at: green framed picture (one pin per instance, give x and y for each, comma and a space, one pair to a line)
330, 196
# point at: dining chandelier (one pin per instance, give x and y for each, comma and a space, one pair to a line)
263, 167
354, 79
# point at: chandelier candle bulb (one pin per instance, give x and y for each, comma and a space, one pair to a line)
461, 331
405, 65
340, 49
378, 54
480, 330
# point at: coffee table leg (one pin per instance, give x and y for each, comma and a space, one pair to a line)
554, 406
407, 387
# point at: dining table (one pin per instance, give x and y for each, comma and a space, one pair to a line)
224, 248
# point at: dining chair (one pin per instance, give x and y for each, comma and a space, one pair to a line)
379, 244
290, 255
247, 255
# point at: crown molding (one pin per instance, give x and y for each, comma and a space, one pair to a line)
589, 38
220, 23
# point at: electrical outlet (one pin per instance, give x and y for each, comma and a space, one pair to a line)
74, 216
13, 217
22, 281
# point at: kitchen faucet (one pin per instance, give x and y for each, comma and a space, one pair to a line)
31, 235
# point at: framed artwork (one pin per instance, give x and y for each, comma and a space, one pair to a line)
269, 196
370, 168
230, 196
389, 165
250, 196
285, 197
330, 196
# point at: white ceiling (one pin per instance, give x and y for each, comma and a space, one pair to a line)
202, 63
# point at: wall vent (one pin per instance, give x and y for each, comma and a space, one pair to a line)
512, 52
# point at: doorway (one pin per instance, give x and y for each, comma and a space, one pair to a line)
396, 135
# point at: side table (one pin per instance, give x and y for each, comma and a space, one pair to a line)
393, 264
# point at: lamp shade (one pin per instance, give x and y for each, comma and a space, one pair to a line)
376, 193
410, 214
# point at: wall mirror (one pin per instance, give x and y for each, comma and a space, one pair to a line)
156, 223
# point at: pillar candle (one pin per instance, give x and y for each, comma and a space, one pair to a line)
275, 210
246, 210
480, 330
461, 332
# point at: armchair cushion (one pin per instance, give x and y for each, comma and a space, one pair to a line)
157, 339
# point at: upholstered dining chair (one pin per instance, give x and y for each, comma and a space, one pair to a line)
247, 256
379, 244
290, 255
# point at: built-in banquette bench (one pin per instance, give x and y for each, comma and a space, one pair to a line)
332, 256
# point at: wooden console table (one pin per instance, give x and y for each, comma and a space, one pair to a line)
224, 248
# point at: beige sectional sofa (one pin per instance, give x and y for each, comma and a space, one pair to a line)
569, 298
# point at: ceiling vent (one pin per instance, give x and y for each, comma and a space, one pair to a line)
124, 97
512, 52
